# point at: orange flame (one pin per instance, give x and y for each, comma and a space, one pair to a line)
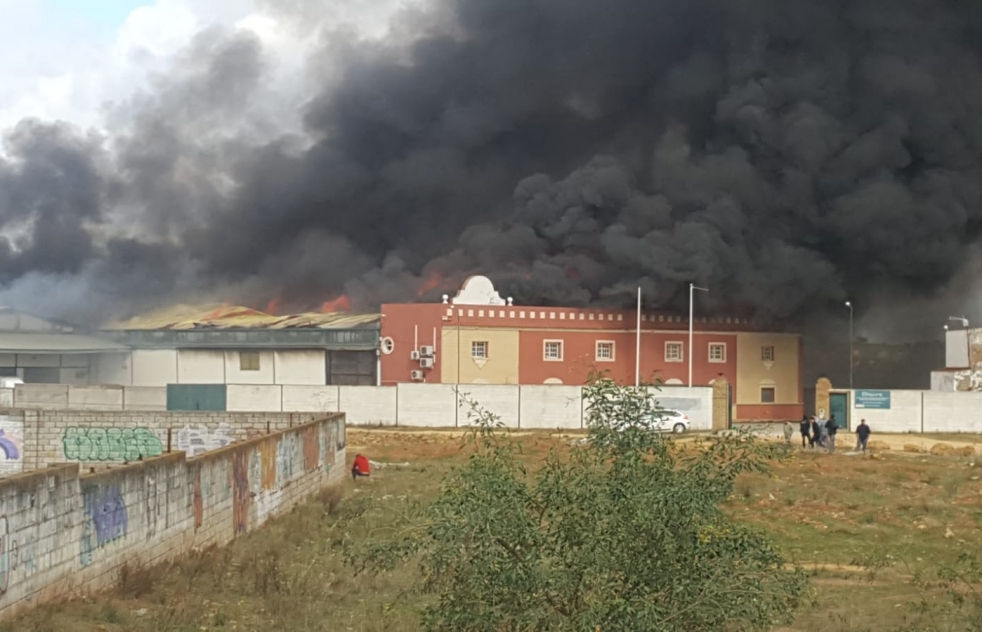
340, 304
432, 281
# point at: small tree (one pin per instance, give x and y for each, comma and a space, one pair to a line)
623, 533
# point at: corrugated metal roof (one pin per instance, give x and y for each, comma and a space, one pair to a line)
235, 317
39, 344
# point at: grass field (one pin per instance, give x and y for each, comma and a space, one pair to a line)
872, 531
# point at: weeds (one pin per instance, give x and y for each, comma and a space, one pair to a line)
135, 579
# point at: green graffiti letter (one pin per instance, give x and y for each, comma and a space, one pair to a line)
148, 444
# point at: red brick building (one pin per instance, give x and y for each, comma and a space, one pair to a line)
480, 338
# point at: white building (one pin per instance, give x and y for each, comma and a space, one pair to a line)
181, 346
963, 362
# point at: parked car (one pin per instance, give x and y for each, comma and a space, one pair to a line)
671, 421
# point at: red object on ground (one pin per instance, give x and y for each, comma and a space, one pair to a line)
362, 466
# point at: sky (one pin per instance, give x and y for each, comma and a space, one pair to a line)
70, 59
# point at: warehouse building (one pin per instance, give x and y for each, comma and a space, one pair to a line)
478, 337
185, 345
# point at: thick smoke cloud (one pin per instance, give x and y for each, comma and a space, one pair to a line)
787, 153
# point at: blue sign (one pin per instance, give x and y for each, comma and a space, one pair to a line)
873, 400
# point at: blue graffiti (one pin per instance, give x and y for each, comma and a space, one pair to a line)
9, 447
107, 511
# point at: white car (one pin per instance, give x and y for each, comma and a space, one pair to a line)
671, 421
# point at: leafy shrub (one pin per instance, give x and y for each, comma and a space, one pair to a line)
623, 533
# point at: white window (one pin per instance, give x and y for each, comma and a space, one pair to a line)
605, 351
249, 361
552, 350
673, 352
479, 349
767, 354
717, 352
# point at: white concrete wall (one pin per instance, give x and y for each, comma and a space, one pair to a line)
6, 398
110, 369
499, 400
310, 398
198, 366
253, 398
301, 366
956, 349
952, 412
426, 405
235, 375
41, 396
551, 407
44, 360
369, 405
145, 398
904, 414
154, 367
695, 402
95, 398
943, 381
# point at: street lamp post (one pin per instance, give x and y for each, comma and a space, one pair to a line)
849, 305
692, 291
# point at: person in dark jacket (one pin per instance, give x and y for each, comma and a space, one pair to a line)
804, 427
862, 436
816, 433
832, 428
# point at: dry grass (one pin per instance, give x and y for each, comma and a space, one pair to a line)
864, 527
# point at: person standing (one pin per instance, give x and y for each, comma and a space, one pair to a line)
831, 427
788, 432
805, 426
816, 434
862, 436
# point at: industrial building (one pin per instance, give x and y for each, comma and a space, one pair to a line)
963, 361
480, 338
185, 345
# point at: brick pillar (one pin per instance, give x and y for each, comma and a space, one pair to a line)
822, 400
721, 404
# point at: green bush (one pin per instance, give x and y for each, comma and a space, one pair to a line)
623, 533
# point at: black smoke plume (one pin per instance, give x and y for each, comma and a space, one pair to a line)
789, 154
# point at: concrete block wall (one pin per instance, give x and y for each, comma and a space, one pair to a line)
952, 412
97, 438
62, 533
922, 411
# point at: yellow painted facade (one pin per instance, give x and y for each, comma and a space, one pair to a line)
754, 371
500, 366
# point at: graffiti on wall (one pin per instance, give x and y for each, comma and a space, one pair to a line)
110, 444
106, 519
288, 454
198, 440
240, 491
267, 454
11, 444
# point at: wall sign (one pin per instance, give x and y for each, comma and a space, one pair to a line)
873, 400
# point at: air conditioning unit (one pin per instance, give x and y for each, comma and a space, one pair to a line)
414, 356
427, 352
426, 363
417, 376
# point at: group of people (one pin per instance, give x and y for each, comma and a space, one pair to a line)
818, 431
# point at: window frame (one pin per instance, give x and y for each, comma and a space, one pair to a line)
773, 391
681, 347
250, 354
545, 347
767, 350
716, 345
486, 345
613, 351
